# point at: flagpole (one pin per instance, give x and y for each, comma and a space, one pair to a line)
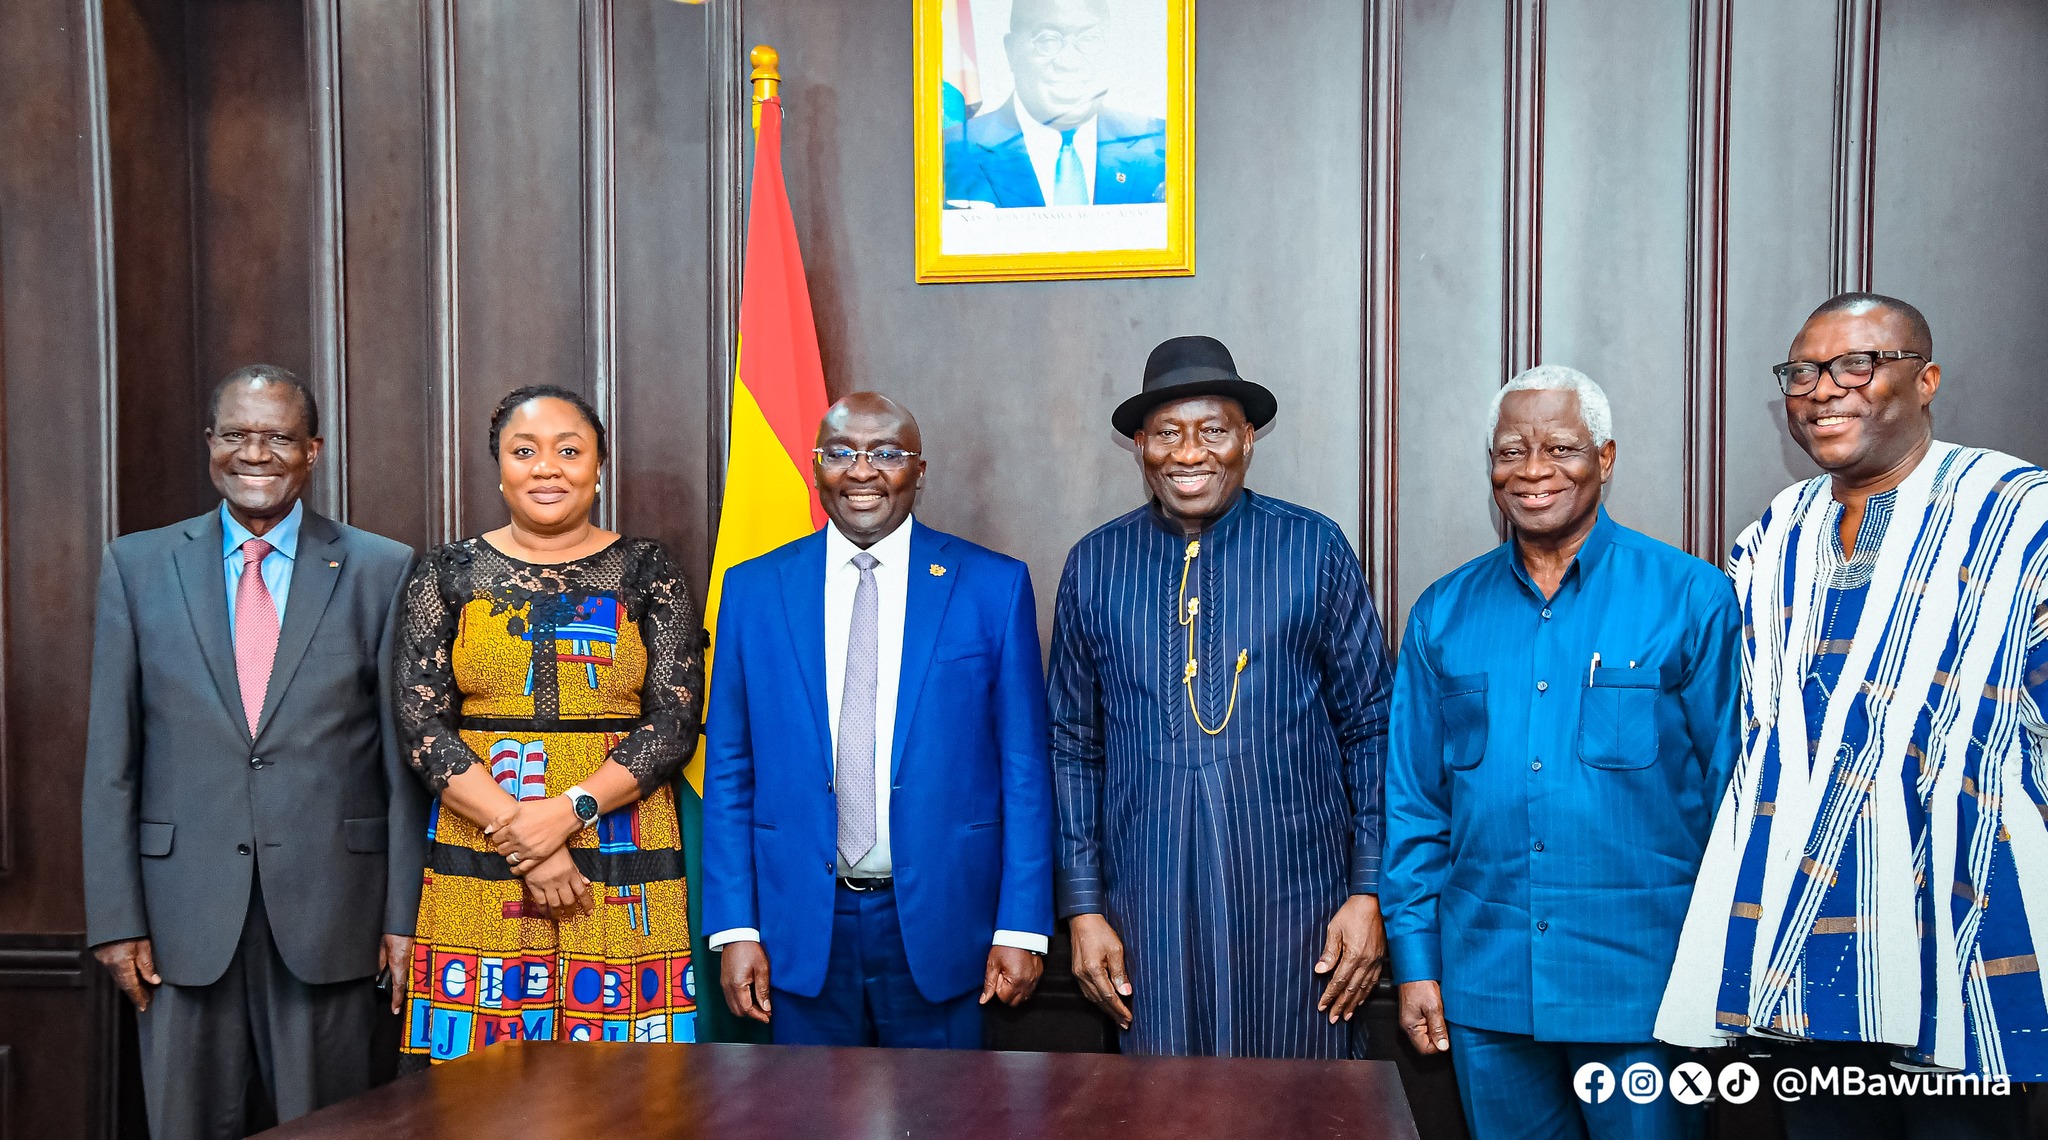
767, 77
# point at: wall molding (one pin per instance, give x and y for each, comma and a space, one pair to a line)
1379, 327
1522, 195
328, 272
1703, 487
728, 99
597, 61
1854, 183
97, 160
444, 489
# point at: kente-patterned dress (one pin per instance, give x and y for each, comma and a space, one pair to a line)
541, 673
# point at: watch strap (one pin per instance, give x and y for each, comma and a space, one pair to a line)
576, 795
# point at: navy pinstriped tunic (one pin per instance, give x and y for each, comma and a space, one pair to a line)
1219, 859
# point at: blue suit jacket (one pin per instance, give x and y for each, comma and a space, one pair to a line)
986, 160
970, 807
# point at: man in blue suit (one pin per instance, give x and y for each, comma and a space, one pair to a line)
878, 797
1054, 142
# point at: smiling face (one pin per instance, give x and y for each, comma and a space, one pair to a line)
1547, 475
260, 451
1859, 435
867, 504
1057, 52
1195, 453
548, 465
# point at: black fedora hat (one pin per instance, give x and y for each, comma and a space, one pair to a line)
1186, 367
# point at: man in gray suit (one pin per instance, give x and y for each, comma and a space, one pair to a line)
253, 840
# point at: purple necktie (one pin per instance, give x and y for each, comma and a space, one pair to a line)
255, 631
854, 766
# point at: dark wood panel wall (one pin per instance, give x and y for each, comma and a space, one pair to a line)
421, 204
57, 483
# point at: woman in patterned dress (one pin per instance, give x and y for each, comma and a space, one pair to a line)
545, 663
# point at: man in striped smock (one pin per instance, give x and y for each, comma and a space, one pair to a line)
1881, 854
1219, 706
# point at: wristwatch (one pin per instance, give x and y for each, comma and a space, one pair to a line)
584, 804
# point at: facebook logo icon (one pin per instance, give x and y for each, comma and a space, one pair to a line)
1594, 1082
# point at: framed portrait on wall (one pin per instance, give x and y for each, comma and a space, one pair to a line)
1055, 139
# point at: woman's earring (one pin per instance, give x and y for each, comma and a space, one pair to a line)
501, 488
600, 488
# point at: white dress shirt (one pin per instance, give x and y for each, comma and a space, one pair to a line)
892, 586
1043, 143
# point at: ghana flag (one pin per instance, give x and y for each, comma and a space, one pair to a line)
778, 397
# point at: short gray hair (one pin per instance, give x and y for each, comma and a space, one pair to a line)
1593, 407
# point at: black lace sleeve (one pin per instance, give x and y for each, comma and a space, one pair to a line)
672, 697
424, 675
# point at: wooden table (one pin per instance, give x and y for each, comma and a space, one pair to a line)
618, 1091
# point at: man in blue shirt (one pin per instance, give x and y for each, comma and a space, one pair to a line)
1563, 725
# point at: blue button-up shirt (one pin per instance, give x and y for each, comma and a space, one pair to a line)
277, 565
1553, 773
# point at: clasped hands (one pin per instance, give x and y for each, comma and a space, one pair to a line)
1354, 953
533, 836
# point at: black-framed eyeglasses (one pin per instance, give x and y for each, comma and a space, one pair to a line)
880, 458
1849, 370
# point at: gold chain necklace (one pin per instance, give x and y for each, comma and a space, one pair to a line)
1186, 610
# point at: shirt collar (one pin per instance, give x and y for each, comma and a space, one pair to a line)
283, 538
892, 549
1583, 563
1043, 142
1172, 526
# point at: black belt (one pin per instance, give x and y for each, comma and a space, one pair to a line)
864, 885
532, 726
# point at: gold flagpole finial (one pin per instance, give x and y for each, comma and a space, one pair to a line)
767, 77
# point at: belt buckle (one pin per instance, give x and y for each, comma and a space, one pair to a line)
852, 881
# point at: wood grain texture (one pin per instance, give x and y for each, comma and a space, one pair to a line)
1702, 495
1380, 309
769, 1092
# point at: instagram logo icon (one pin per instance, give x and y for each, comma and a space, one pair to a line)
1642, 1082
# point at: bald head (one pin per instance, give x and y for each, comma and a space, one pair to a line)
878, 413
1908, 322
1028, 16
868, 471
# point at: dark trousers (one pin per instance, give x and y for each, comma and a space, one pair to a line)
869, 997
1518, 1088
1889, 1116
309, 1046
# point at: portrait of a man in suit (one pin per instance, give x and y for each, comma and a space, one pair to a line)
1058, 140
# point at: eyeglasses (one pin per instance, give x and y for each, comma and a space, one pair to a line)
880, 458
1850, 370
1049, 43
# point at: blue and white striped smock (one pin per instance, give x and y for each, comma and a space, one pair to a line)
1881, 855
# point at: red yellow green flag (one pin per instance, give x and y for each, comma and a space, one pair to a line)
778, 397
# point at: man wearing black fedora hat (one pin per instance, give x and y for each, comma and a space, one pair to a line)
1219, 691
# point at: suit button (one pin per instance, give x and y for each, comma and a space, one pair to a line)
241, 849
256, 762
1542, 686
1543, 925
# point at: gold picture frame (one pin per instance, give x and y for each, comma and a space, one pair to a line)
989, 136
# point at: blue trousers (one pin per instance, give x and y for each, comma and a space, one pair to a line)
1518, 1088
869, 997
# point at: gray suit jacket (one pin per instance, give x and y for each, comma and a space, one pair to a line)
181, 806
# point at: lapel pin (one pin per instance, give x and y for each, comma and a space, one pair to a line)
938, 571
333, 565
1119, 176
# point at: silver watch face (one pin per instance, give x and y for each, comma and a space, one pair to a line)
586, 807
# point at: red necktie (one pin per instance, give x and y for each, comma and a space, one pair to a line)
255, 631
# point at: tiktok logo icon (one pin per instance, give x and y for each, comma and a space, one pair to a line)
1594, 1082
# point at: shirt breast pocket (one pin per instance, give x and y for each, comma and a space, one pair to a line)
1464, 716
1618, 719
